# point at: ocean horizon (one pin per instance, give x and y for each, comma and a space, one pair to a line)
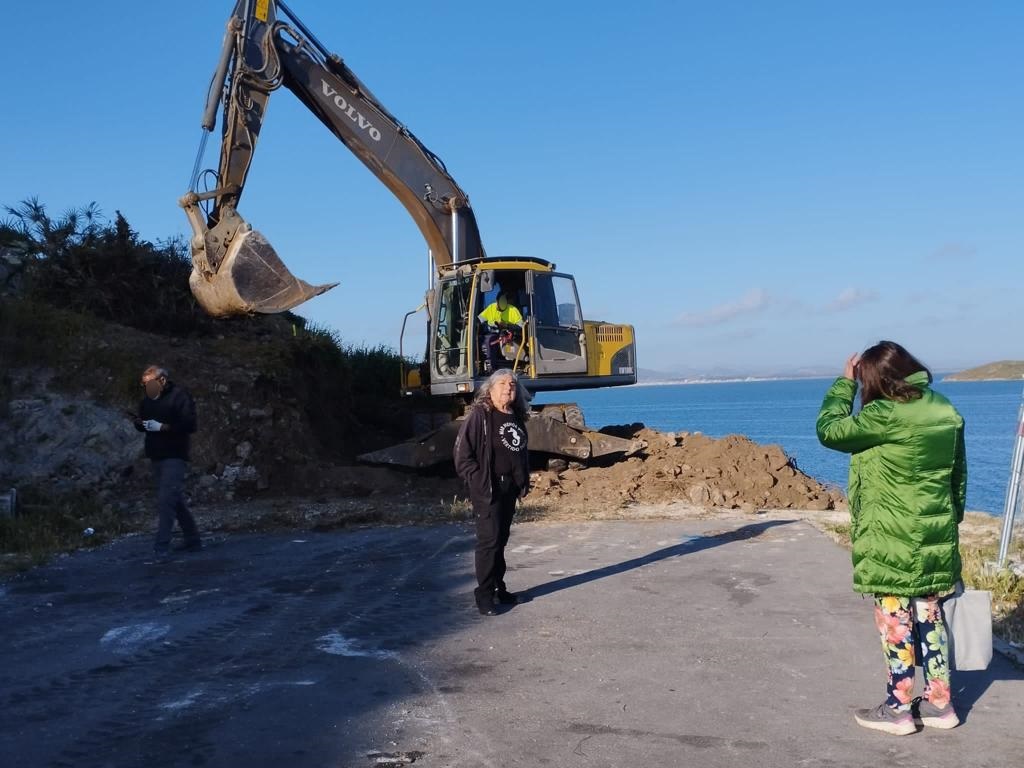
783, 411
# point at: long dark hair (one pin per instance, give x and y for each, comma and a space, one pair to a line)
882, 370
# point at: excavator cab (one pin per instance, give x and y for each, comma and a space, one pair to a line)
545, 339
549, 346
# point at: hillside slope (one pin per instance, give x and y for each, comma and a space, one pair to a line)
276, 402
1003, 370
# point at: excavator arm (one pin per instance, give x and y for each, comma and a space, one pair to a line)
235, 269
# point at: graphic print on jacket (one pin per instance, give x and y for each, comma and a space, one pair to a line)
509, 443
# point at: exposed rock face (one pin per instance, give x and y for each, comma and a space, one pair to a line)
12, 268
74, 443
67, 442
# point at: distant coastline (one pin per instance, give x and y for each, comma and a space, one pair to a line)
726, 380
1004, 370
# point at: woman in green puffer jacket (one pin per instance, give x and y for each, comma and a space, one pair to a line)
908, 482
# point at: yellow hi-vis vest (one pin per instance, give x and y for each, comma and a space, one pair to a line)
493, 316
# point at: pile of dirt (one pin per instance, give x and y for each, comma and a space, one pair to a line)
732, 472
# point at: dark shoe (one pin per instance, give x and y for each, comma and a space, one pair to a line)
926, 713
508, 598
883, 718
189, 546
486, 609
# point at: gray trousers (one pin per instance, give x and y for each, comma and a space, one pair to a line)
169, 475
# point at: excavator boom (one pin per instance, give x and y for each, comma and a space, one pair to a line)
235, 269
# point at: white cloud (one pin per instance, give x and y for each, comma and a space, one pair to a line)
958, 252
752, 302
850, 298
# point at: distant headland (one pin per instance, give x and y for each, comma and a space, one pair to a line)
1004, 370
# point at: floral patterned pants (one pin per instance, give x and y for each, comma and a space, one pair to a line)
904, 622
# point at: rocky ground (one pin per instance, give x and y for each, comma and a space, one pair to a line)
75, 443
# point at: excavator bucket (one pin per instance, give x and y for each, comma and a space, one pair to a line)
251, 278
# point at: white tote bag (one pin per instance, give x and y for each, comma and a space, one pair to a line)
968, 614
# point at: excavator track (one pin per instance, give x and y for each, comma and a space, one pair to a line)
557, 430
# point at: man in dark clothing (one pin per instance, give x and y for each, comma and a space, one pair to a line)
167, 414
491, 457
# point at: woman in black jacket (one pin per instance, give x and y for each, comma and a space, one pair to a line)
492, 458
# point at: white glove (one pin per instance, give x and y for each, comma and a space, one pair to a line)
151, 425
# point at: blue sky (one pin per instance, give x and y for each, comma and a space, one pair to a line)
755, 186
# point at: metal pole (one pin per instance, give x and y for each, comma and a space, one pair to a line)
1013, 488
455, 235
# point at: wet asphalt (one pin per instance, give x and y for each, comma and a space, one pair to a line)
734, 642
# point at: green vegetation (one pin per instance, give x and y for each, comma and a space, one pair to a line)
85, 280
49, 524
1006, 587
1003, 370
81, 263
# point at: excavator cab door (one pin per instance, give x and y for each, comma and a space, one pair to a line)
560, 342
449, 331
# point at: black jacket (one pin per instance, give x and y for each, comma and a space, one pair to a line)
177, 410
474, 457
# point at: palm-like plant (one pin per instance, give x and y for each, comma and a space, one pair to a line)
29, 229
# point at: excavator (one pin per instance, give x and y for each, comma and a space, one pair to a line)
236, 270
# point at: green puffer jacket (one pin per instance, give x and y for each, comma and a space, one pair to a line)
908, 484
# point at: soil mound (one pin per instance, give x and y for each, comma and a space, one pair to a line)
732, 472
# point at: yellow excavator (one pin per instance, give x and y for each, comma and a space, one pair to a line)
236, 270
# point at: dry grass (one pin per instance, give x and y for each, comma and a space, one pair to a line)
51, 524
979, 549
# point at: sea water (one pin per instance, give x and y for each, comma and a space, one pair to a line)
784, 412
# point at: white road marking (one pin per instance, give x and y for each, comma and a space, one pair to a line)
532, 550
129, 639
184, 703
186, 595
337, 644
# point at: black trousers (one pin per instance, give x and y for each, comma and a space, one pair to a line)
493, 525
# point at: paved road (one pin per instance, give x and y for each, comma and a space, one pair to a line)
698, 643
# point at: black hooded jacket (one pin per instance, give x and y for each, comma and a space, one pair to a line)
474, 457
177, 410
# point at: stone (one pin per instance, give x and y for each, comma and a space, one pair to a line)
819, 503
76, 442
699, 493
243, 450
